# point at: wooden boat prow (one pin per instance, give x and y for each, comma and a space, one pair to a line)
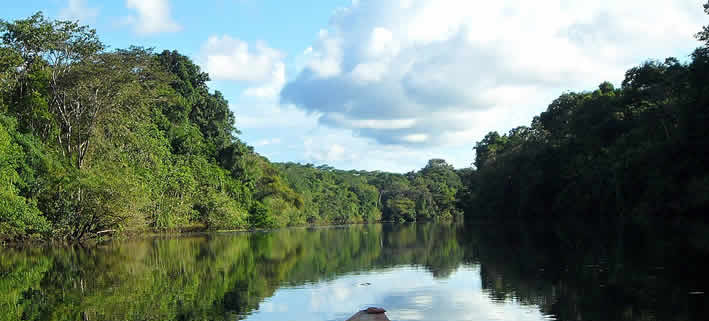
370, 314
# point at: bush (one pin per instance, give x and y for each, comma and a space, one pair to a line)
18, 216
219, 211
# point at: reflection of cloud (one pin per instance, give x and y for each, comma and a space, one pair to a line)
341, 293
407, 293
422, 300
266, 306
408, 314
316, 301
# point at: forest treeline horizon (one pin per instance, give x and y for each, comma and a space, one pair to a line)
98, 142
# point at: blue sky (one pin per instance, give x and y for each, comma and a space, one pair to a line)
373, 84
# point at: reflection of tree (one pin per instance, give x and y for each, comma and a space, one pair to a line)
428, 245
225, 277
207, 277
645, 274
20, 276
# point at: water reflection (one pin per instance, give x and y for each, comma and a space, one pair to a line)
416, 272
624, 272
409, 293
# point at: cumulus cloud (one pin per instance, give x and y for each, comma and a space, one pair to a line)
265, 142
153, 16
327, 153
78, 10
273, 86
344, 149
436, 72
228, 58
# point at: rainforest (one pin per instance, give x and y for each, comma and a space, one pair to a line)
98, 142
127, 192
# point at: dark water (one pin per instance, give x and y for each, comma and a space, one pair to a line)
416, 272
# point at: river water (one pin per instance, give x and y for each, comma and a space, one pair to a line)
416, 272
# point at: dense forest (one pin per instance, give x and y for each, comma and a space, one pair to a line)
336, 196
632, 153
96, 142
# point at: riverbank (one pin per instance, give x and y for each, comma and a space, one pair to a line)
194, 230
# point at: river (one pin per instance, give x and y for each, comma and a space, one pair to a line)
415, 271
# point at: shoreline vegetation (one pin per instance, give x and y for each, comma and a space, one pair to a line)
132, 140
193, 231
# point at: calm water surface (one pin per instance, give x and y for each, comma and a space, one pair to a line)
416, 272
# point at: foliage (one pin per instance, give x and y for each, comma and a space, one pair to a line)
635, 152
336, 196
18, 215
97, 141
631, 151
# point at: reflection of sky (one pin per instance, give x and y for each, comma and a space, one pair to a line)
407, 293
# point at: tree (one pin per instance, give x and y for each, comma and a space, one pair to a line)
80, 77
487, 150
704, 34
18, 216
85, 93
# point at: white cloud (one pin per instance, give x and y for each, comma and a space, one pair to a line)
264, 142
323, 153
273, 86
300, 138
443, 72
415, 138
153, 16
257, 65
326, 62
382, 43
251, 114
232, 59
342, 121
321, 145
78, 10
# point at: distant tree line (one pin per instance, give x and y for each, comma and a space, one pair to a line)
337, 196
